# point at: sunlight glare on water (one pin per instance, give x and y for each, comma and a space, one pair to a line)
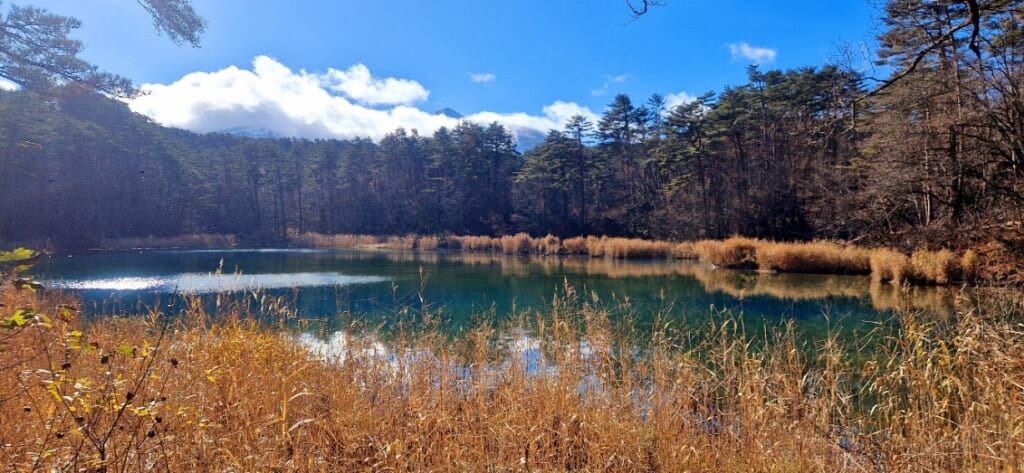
200, 283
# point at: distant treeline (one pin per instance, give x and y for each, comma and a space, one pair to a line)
932, 157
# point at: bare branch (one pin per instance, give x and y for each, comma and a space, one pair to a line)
640, 7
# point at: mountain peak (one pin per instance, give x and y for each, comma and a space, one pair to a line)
448, 112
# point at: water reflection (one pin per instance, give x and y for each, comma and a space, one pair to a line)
383, 285
197, 283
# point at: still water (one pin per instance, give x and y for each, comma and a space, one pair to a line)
465, 288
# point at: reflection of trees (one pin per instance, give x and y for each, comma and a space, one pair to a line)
939, 301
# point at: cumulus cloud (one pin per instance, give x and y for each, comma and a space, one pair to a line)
357, 84
481, 77
675, 100
273, 97
753, 54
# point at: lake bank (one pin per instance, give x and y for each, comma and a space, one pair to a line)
993, 263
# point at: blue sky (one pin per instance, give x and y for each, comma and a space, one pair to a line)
357, 68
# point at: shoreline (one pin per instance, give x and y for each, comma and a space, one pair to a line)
921, 267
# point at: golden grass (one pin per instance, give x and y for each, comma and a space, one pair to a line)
736, 252
550, 245
518, 244
685, 250
190, 241
819, 257
575, 245
922, 267
220, 393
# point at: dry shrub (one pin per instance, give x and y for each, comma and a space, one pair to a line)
457, 242
935, 267
428, 243
550, 245
685, 250
518, 244
736, 252
406, 242
596, 246
575, 245
969, 263
635, 248
820, 257
478, 243
890, 265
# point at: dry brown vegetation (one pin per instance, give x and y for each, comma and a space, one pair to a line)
221, 393
818, 257
736, 252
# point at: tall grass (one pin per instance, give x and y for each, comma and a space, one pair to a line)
736, 252
923, 266
820, 257
566, 392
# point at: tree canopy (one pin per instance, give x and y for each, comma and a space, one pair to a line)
37, 53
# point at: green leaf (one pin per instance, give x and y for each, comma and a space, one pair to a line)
20, 318
22, 283
126, 350
22, 259
19, 255
67, 312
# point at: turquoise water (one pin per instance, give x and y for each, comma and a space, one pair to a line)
462, 289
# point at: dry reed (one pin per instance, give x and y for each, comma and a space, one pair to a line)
736, 252
819, 257
216, 392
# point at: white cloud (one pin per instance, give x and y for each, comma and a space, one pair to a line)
481, 77
357, 84
560, 113
675, 100
300, 104
619, 79
754, 54
8, 85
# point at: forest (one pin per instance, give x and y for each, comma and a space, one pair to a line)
928, 157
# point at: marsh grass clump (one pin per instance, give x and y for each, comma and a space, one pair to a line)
518, 244
820, 257
935, 267
735, 252
685, 250
550, 245
575, 245
889, 265
635, 248
924, 267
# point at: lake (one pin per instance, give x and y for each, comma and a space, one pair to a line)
381, 287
